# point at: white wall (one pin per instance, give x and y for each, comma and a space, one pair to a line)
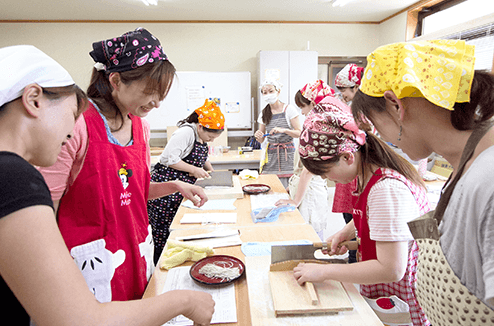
194, 46
393, 30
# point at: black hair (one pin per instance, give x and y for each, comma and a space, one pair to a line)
373, 152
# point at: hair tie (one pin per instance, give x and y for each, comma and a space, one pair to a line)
99, 66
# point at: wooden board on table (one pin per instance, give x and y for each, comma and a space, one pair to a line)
226, 192
289, 298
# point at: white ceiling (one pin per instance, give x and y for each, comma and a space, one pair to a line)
202, 10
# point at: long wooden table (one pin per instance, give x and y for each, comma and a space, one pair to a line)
287, 228
244, 208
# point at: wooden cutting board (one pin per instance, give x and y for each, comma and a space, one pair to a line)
289, 298
226, 192
217, 178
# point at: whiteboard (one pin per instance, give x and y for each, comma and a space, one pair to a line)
189, 90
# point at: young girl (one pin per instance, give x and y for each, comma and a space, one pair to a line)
432, 100
184, 158
309, 192
281, 122
390, 193
347, 81
39, 104
101, 182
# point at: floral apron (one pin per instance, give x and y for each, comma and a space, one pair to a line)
445, 300
103, 219
162, 210
405, 288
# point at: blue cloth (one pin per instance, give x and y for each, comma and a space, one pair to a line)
273, 214
251, 249
111, 138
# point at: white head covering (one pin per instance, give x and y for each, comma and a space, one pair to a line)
277, 85
21, 65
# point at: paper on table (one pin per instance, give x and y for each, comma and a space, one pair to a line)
266, 200
215, 239
230, 241
225, 309
207, 218
213, 204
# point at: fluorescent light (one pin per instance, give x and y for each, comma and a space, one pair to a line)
340, 3
150, 2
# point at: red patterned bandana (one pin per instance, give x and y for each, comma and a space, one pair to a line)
349, 76
328, 131
316, 91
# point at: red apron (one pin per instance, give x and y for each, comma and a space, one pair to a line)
103, 216
405, 288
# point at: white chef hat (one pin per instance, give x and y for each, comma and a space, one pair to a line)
276, 83
21, 65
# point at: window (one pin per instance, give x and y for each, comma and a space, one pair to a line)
471, 21
329, 67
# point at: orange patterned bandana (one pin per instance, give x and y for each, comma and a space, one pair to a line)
210, 116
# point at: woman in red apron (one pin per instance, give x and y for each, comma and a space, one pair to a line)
41, 284
389, 194
184, 158
426, 98
103, 174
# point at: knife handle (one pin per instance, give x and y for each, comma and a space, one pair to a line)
351, 245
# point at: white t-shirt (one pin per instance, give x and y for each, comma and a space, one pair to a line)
180, 144
467, 228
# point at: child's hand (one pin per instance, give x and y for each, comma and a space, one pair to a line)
201, 307
282, 202
309, 273
199, 173
335, 240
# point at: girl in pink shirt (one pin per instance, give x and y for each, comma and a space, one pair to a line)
390, 193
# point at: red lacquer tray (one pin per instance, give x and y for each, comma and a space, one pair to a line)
257, 188
219, 260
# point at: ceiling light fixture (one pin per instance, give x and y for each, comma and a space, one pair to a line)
150, 2
338, 3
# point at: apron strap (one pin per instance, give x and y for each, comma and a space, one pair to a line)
426, 226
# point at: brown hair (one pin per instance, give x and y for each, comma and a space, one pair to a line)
465, 116
194, 118
301, 100
159, 76
373, 152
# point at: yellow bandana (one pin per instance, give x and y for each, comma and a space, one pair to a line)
439, 70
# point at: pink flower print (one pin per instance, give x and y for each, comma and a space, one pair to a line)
135, 42
156, 53
305, 135
110, 43
302, 151
115, 62
142, 60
